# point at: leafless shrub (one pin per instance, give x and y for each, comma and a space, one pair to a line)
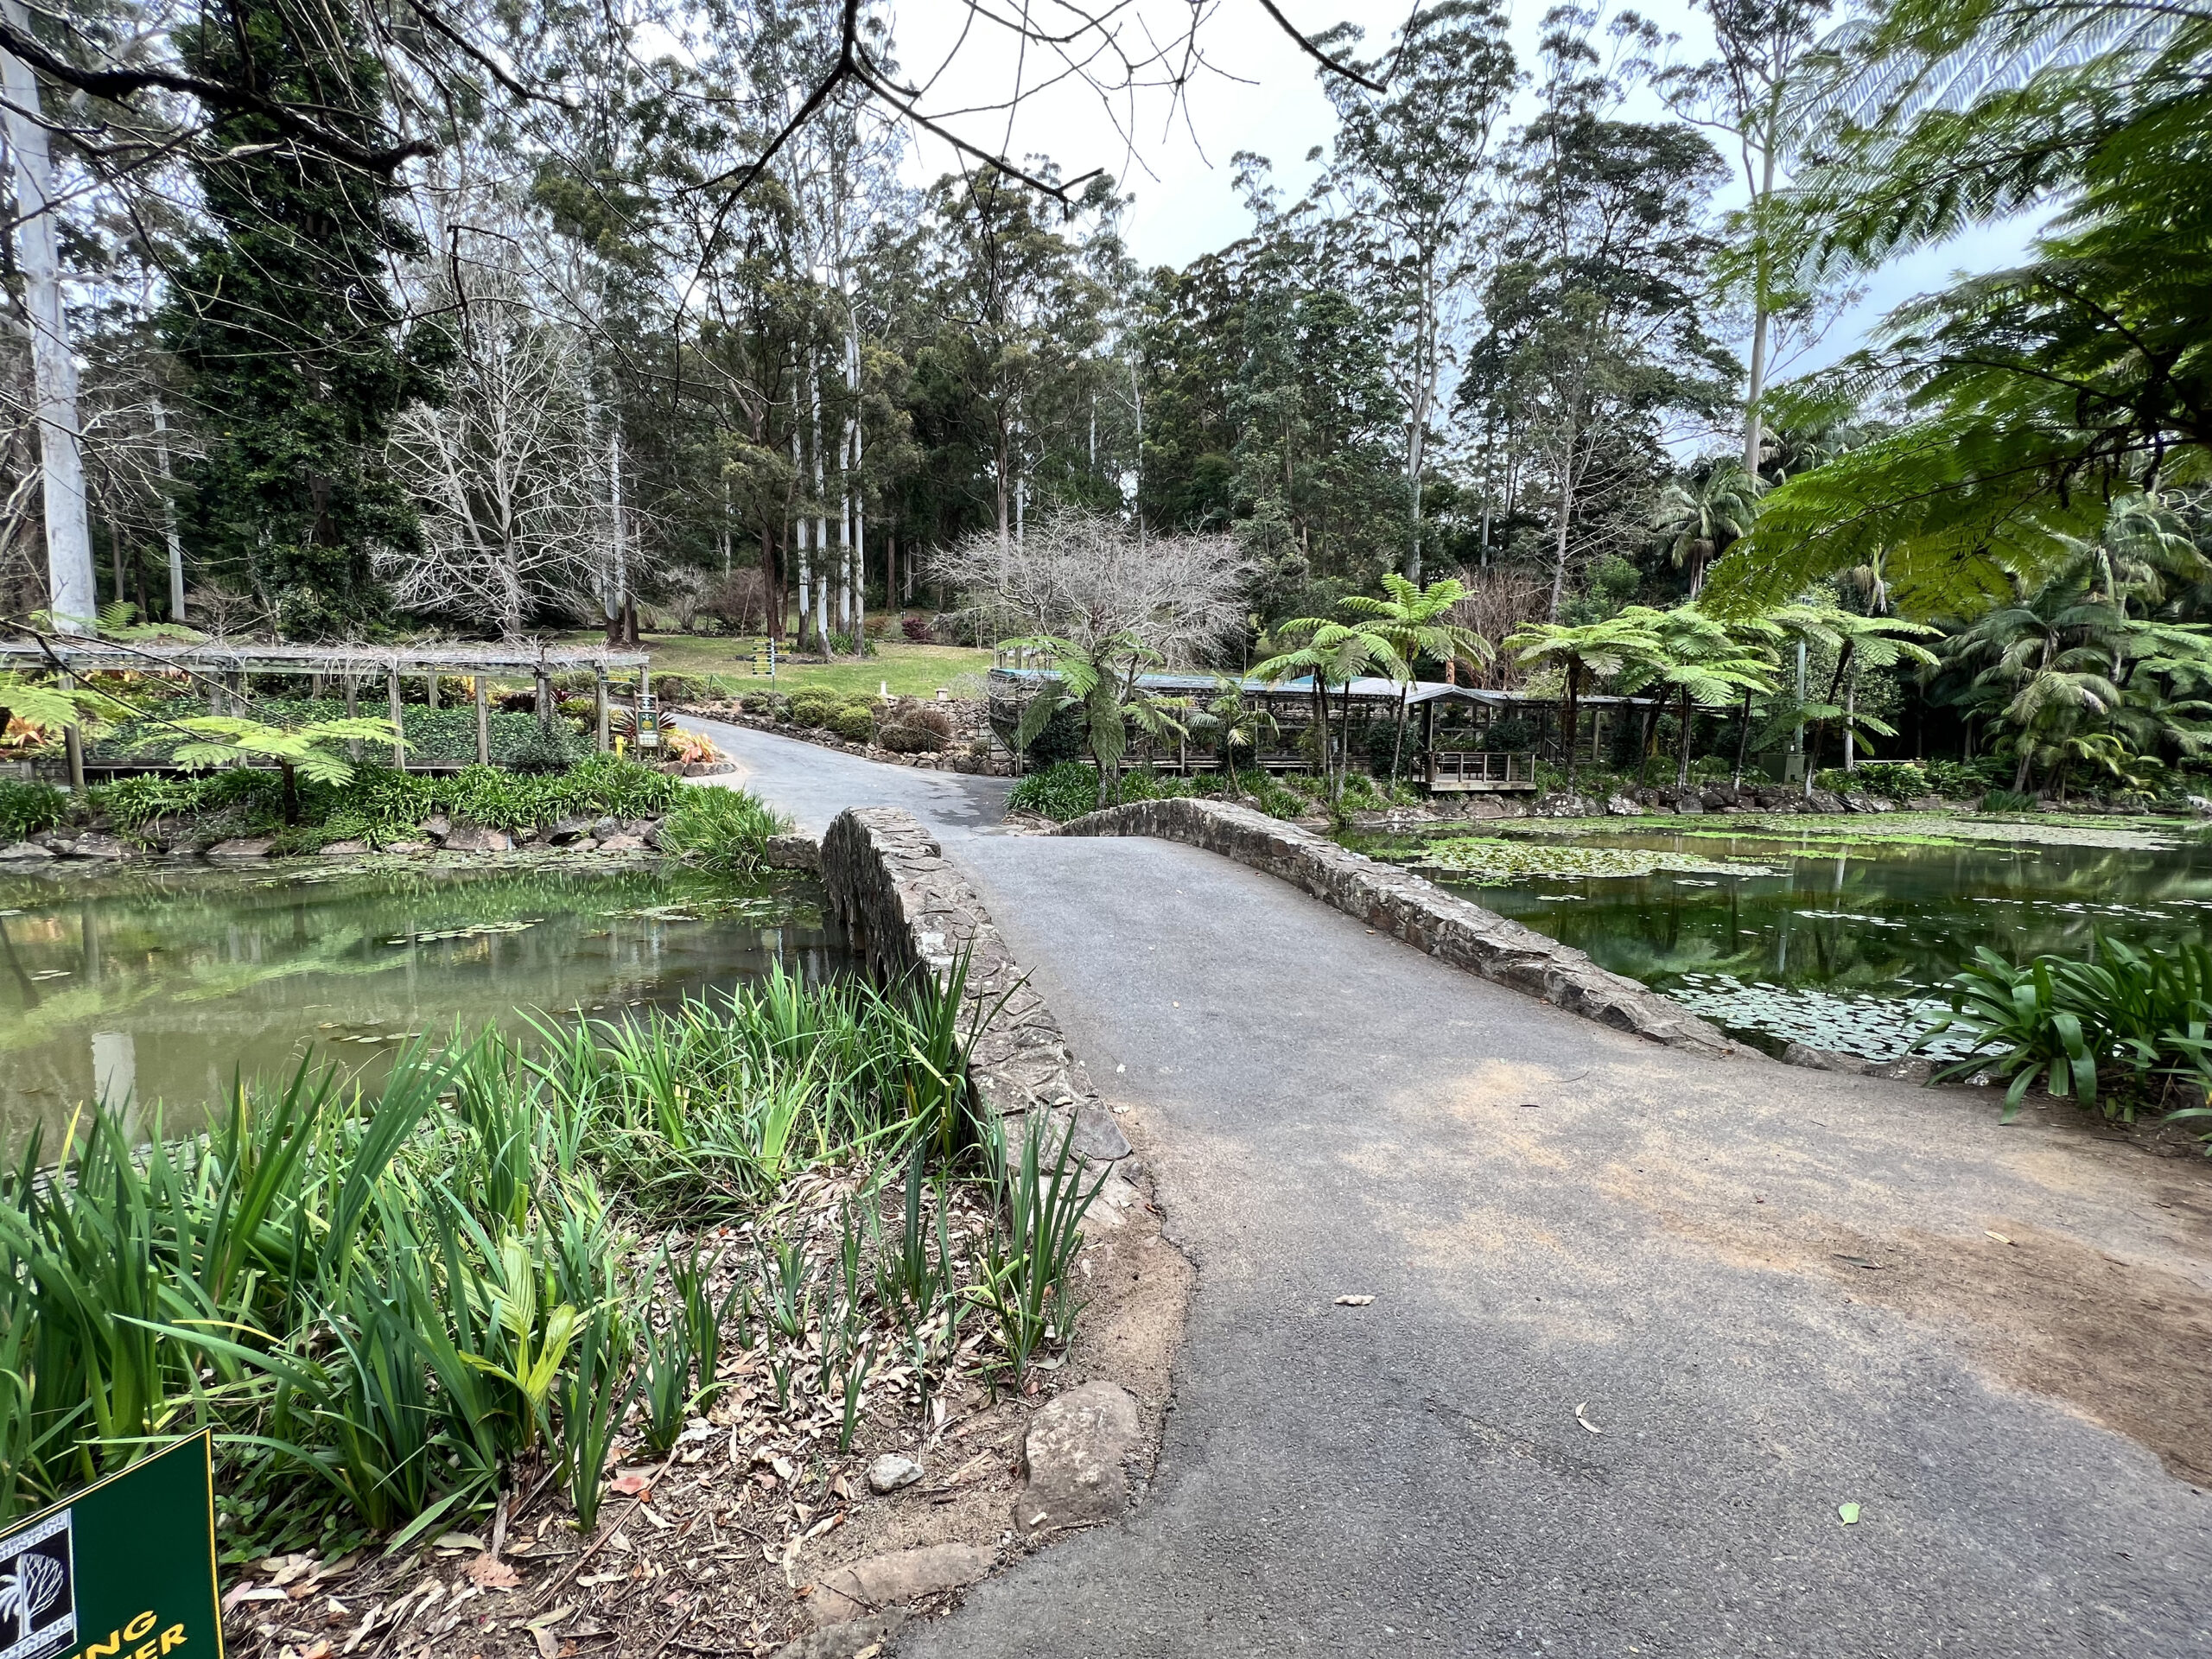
1086, 576
740, 600
1499, 599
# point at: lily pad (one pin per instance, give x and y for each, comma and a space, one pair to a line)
1492, 861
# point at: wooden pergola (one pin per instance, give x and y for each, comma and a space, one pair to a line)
225, 668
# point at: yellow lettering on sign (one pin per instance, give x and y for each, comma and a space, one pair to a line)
113, 1644
139, 1628
148, 1650
173, 1638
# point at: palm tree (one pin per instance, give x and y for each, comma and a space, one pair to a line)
1876, 642
1099, 684
1698, 515
1702, 662
1602, 649
1412, 619
1236, 722
1333, 654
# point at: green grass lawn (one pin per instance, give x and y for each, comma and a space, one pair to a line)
909, 671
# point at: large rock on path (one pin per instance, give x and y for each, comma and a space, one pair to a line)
1076, 1457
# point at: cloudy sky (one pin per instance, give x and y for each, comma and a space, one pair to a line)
1260, 92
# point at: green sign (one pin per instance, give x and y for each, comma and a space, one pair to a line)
125, 1569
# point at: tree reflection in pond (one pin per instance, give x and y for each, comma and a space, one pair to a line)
157, 982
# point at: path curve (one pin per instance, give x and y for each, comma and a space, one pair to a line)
1641, 1323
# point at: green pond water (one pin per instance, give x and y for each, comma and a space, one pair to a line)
151, 985
1836, 933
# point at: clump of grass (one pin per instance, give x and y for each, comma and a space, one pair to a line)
725, 830
27, 808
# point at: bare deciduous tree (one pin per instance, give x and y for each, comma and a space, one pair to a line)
1087, 576
512, 521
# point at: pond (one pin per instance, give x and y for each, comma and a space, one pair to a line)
152, 984
1835, 932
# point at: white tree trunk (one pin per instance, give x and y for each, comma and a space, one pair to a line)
74, 594
618, 580
821, 514
168, 513
799, 528
859, 535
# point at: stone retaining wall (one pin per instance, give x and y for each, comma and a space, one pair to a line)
1403, 903
909, 910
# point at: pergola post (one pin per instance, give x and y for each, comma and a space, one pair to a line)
353, 712
430, 689
483, 719
73, 744
599, 697
398, 724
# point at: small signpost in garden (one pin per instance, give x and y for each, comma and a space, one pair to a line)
126, 1567
764, 657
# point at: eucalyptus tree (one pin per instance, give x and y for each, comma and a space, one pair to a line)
1020, 304
1594, 326
1767, 67
1409, 188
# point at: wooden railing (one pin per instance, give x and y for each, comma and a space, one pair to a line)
1481, 769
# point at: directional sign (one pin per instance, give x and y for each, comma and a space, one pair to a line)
125, 1569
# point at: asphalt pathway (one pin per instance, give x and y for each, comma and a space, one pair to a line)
1633, 1344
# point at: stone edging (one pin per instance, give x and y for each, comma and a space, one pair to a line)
907, 909
1086, 1452
1408, 906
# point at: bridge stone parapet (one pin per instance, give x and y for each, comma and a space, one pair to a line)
909, 910
1396, 901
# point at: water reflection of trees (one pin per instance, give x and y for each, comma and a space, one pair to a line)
181, 969
1950, 899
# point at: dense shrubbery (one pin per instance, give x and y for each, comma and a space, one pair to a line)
1066, 791
914, 727
723, 830
441, 735
382, 805
25, 809
1888, 780
2124, 1031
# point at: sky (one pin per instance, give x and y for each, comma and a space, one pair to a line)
1259, 91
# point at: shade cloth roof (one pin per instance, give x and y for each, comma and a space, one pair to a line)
1364, 688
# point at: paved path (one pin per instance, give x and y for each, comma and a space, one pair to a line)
1642, 1321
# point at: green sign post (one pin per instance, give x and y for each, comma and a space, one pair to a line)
125, 1569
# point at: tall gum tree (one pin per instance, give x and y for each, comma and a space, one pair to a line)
1411, 175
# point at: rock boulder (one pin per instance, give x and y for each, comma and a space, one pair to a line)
1075, 1459
883, 1581
470, 838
